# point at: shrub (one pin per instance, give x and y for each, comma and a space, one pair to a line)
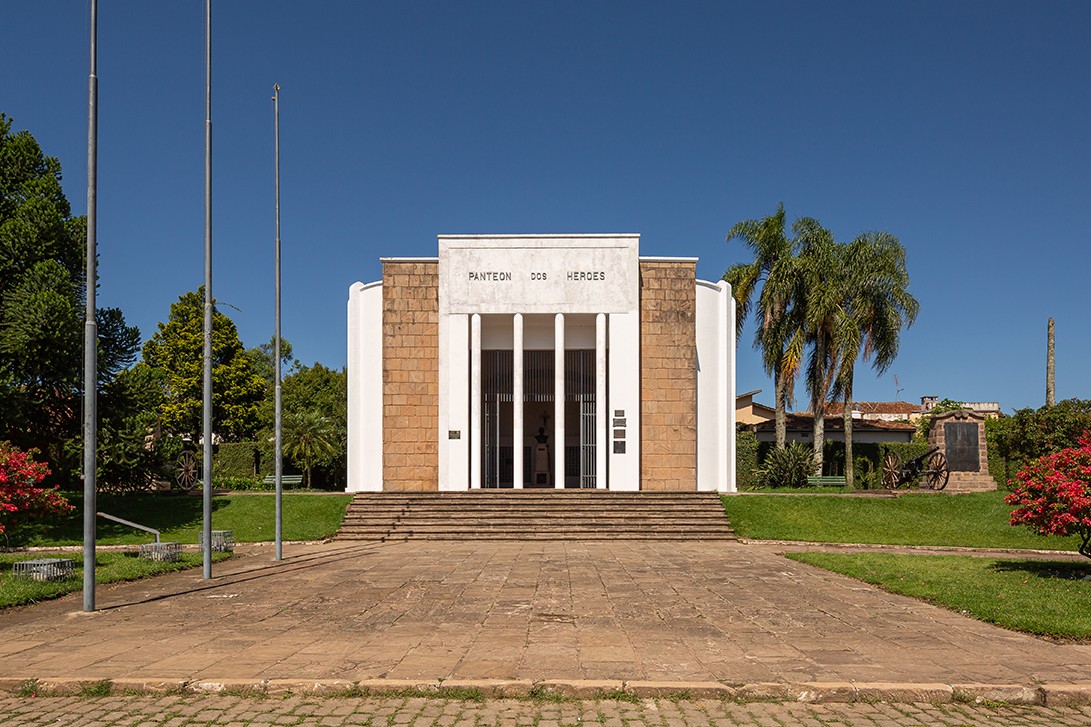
788, 467
1031, 434
746, 460
866, 475
1053, 494
20, 497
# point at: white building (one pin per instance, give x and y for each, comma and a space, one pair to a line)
467, 370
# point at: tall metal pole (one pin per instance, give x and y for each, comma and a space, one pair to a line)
276, 345
207, 403
90, 331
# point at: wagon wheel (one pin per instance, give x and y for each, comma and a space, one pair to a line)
938, 473
187, 470
892, 470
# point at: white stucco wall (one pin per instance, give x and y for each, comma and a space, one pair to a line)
715, 387
365, 387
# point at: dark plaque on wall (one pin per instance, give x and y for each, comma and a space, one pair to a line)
962, 453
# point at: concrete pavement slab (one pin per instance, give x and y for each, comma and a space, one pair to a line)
615, 611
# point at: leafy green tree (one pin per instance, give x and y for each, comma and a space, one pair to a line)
42, 286
309, 437
323, 391
1034, 433
263, 360
878, 305
131, 452
780, 336
177, 347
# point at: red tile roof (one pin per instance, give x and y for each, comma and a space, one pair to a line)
805, 422
876, 407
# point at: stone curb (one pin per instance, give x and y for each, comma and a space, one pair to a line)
922, 548
1050, 695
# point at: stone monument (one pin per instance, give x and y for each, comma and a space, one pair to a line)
960, 435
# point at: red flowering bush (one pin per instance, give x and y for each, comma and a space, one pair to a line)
20, 497
1053, 494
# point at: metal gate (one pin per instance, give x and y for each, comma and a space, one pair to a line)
496, 392
579, 388
538, 374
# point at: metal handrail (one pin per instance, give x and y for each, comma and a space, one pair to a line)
131, 524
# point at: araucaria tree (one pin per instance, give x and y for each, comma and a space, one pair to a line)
42, 286
177, 348
1053, 494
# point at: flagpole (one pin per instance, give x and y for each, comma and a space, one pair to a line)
90, 330
207, 401
276, 346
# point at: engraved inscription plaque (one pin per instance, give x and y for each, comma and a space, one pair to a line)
962, 451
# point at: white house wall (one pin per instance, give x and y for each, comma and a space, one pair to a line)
365, 388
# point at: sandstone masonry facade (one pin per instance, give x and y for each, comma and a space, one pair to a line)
410, 375
668, 373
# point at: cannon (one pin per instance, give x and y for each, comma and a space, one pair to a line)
932, 466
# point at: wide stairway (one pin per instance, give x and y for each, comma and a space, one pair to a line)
536, 515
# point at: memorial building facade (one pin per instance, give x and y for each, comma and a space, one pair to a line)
540, 361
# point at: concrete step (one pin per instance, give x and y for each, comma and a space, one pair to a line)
536, 515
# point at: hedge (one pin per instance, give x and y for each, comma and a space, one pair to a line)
746, 460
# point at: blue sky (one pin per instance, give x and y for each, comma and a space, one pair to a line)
962, 128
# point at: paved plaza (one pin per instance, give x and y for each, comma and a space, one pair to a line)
722, 622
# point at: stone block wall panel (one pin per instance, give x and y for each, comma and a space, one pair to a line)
410, 376
668, 375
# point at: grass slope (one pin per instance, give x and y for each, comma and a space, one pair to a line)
109, 568
977, 520
251, 517
1038, 597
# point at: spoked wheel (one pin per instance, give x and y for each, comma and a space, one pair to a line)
187, 470
892, 470
938, 473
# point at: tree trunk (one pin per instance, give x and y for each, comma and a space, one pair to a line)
849, 474
1051, 398
818, 403
779, 387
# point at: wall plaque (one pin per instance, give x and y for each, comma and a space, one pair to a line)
539, 274
962, 443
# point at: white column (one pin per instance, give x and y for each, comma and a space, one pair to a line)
475, 402
558, 401
517, 401
454, 402
602, 441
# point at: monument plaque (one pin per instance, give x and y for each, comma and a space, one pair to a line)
961, 440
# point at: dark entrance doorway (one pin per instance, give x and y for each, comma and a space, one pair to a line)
538, 411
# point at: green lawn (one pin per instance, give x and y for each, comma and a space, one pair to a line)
977, 520
1038, 597
109, 568
251, 517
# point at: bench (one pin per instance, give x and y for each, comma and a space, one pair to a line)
826, 481
285, 480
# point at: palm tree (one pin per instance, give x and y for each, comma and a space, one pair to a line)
779, 336
878, 304
822, 273
308, 438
